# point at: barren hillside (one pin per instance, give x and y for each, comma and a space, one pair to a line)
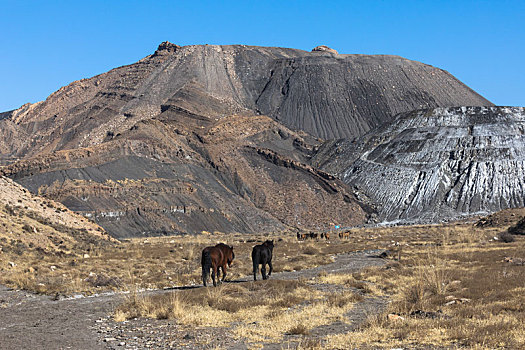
436, 164
325, 94
203, 138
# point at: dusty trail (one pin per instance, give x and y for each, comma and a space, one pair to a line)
39, 322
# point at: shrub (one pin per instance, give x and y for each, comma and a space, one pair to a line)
519, 228
506, 237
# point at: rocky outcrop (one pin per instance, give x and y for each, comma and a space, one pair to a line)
324, 48
166, 47
437, 164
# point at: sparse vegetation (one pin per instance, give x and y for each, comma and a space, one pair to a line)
454, 286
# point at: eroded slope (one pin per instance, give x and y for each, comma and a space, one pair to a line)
436, 164
176, 174
325, 94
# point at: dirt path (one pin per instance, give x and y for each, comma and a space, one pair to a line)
38, 322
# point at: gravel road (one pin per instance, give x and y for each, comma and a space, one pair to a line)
32, 321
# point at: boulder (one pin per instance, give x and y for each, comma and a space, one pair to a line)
324, 48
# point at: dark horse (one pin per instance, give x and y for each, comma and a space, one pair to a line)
262, 254
215, 258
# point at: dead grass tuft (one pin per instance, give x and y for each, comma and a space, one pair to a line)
299, 329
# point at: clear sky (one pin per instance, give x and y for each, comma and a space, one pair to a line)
48, 44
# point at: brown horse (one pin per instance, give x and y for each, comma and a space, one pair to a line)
215, 258
301, 236
344, 234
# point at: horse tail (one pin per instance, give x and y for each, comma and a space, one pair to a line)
255, 260
206, 266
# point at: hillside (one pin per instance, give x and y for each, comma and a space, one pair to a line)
166, 176
436, 164
32, 226
205, 138
325, 94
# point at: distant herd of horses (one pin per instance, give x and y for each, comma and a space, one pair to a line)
220, 256
323, 235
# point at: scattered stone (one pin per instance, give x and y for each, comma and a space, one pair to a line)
395, 318
86, 256
514, 261
426, 314
107, 340
453, 300
11, 264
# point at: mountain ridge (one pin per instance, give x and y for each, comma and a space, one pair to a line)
241, 79
207, 137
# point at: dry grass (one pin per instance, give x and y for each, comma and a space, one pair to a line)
430, 267
460, 277
152, 263
258, 312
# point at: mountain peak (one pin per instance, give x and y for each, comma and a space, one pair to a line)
324, 48
166, 47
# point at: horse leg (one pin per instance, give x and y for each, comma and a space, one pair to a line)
255, 268
271, 268
223, 272
218, 274
213, 273
263, 270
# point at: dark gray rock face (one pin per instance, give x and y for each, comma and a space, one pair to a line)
327, 95
347, 95
208, 137
430, 165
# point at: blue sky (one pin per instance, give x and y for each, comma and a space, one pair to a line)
48, 44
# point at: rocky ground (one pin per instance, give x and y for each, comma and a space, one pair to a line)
41, 322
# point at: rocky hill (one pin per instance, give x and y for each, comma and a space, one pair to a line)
323, 93
177, 174
202, 138
33, 222
435, 164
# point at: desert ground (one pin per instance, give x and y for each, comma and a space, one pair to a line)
447, 286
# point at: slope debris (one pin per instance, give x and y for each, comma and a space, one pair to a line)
203, 137
436, 164
326, 95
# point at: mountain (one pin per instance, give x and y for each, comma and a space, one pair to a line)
435, 164
202, 137
179, 174
322, 93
